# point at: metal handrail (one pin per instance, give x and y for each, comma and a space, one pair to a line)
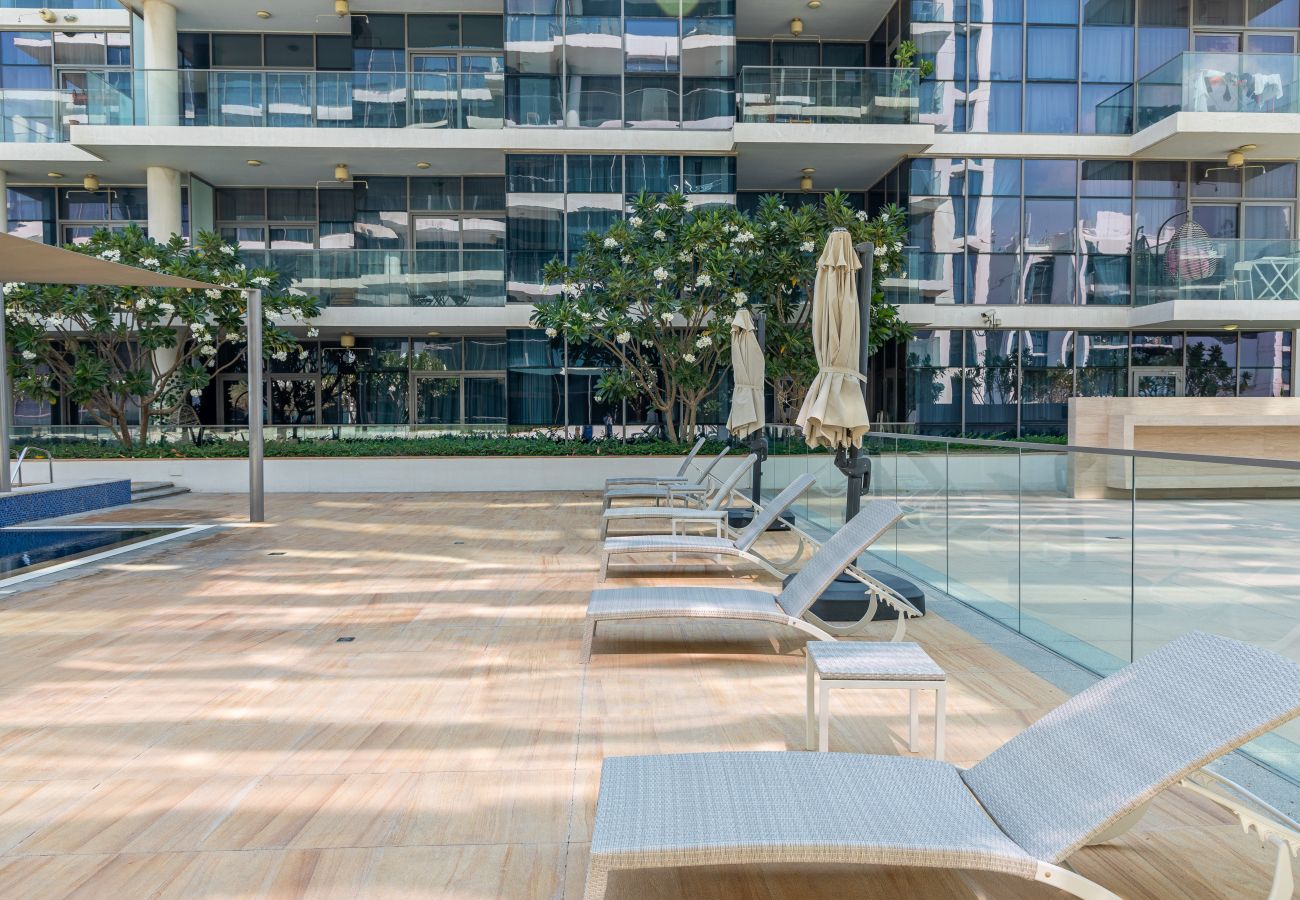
18, 469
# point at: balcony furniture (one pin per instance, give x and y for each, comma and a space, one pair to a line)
717, 546
696, 508
679, 477
873, 666
1083, 774
1275, 278
657, 492
789, 608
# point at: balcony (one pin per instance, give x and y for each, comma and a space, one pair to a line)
829, 96
1193, 104
294, 99
421, 279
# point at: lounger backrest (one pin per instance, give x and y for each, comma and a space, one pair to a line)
778, 505
690, 458
724, 490
1111, 748
708, 467
840, 550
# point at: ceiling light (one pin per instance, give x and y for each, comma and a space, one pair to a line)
1231, 327
263, 14
805, 182
433, 333
1236, 159
90, 182
422, 165
814, 4
796, 26
342, 173
342, 8
53, 174
254, 163
347, 341
47, 16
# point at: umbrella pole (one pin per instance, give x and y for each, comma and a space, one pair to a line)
856, 465
6, 405
758, 440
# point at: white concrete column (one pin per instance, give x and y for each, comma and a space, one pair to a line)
164, 188
4, 202
160, 86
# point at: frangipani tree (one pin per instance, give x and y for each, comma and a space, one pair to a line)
113, 350
789, 242
658, 292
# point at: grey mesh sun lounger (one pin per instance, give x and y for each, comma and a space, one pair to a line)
680, 476
790, 607
741, 545
687, 490
710, 512
1079, 775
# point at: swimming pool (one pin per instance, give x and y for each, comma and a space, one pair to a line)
25, 549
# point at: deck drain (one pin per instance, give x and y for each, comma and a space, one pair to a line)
278, 553
458, 542
344, 640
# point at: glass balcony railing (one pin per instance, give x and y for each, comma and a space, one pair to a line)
296, 99
833, 96
1204, 82
410, 278
1217, 270
1099, 555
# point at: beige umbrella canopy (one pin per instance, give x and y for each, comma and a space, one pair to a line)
28, 261
834, 413
747, 369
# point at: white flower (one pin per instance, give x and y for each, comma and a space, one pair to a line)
684, 256
313, 332
570, 289
262, 281
729, 228
666, 316
142, 303
860, 215
688, 357
212, 294
208, 350
611, 244
659, 235
661, 206
28, 355
12, 286
167, 308
661, 274
149, 262
740, 298
627, 259
241, 267
623, 337
551, 332
228, 249
197, 327
703, 279
585, 316
196, 393
635, 221
703, 341
807, 246
112, 255
902, 274
743, 238
280, 356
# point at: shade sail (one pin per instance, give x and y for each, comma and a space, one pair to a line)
28, 261
747, 370
834, 413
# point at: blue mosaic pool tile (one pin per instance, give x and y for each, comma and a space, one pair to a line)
26, 507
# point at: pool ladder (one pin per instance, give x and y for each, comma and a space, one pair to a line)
22, 457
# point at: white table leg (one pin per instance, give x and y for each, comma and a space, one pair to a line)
824, 718
810, 708
940, 714
913, 719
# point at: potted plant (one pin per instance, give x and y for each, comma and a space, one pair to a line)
908, 70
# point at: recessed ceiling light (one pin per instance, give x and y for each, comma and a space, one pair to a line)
53, 174
433, 333
814, 4
254, 163
1230, 327
422, 165
263, 14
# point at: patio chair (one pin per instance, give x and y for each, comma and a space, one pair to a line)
1080, 775
630, 480
705, 545
790, 607
686, 489
707, 511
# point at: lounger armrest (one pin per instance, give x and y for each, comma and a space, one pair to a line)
1270, 825
650, 480
891, 597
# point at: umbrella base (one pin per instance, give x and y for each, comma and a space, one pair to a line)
844, 601
740, 517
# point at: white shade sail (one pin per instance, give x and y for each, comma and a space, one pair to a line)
35, 263
747, 370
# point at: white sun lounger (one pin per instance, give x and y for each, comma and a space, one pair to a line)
1080, 775
709, 512
790, 607
741, 545
632, 480
688, 490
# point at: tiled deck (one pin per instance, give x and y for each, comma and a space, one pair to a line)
186, 723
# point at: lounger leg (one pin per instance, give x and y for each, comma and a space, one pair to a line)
810, 709
1072, 883
940, 715
913, 720
824, 719
597, 880
588, 634
604, 565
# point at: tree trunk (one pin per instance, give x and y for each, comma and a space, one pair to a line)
144, 423
122, 428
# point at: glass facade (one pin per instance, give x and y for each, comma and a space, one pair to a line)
46, 78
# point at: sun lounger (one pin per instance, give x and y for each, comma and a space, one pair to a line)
790, 607
1077, 776
741, 545
708, 510
631, 480
686, 490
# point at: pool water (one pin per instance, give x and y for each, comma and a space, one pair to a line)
29, 548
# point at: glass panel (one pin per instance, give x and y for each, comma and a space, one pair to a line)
1157, 350
652, 45
437, 355
437, 233
236, 51
293, 401
485, 401
1052, 54
1211, 365
485, 354
437, 401
651, 102
433, 30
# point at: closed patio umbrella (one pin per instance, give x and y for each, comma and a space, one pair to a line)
834, 413
747, 370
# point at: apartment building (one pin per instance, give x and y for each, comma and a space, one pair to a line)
1102, 193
